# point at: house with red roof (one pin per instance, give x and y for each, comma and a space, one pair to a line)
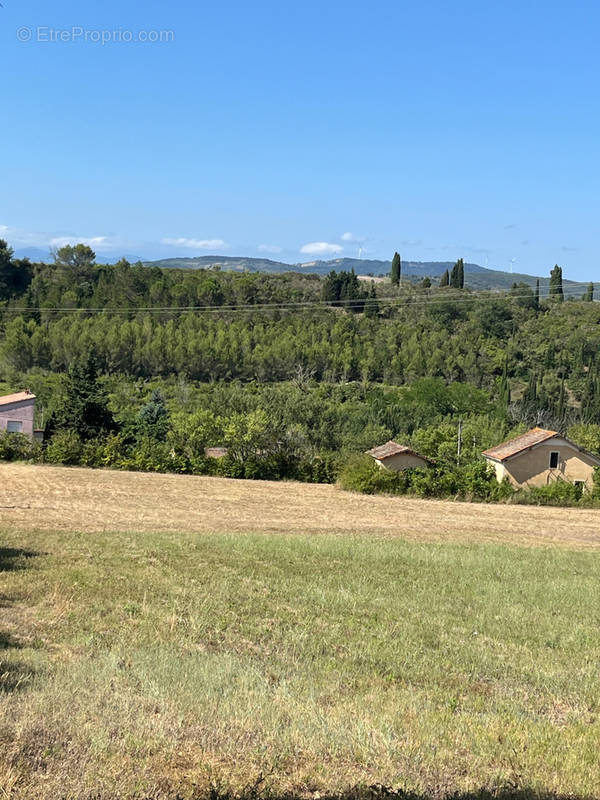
394, 456
540, 457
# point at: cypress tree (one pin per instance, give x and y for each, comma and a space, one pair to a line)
457, 276
560, 411
396, 273
504, 389
530, 396
589, 295
445, 279
537, 295
556, 283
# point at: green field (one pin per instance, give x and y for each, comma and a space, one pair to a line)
152, 665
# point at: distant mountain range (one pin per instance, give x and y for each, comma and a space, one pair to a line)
476, 276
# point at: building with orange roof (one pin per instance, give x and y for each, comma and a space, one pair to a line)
540, 457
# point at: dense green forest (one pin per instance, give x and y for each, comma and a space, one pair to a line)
291, 372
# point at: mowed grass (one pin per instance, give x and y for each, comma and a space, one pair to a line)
155, 664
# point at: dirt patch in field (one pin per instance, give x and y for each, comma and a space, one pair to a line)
60, 498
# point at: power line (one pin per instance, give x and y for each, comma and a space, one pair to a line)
289, 305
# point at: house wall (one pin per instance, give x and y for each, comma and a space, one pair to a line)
21, 411
402, 461
532, 467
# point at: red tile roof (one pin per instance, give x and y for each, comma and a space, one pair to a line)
6, 399
391, 449
520, 443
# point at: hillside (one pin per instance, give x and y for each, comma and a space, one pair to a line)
476, 276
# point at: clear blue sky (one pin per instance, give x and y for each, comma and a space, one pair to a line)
441, 129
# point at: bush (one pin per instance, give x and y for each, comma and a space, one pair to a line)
65, 447
151, 455
559, 493
362, 474
17, 447
473, 482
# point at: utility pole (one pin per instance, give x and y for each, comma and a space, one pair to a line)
459, 449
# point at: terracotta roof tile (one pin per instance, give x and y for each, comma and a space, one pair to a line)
523, 442
6, 399
391, 449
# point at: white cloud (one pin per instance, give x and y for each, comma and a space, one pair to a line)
351, 237
93, 241
3, 228
321, 249
195, 244
269, 248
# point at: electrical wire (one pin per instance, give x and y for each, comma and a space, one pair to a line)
400, 302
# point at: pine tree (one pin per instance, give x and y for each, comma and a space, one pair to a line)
153, 419
445, 279
556, 283
372, 304
396, 274
85, 405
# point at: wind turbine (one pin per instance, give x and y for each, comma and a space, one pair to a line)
360, 249
512, 261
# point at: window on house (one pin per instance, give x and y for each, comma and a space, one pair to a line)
554, 456
12, 426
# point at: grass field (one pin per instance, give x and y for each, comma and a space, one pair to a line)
166, 635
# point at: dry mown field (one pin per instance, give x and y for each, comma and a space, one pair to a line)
59, 498
169, 637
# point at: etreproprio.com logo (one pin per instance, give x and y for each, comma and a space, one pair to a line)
46, 34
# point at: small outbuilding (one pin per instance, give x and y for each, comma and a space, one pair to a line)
396, 457
17, 413
540, 457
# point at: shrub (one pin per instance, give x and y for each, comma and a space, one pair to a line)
476, 481
65, 447
362, 474
17, 447
559, 493
151, 455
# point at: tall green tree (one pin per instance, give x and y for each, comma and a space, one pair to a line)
445, 279
79, 255
396, 273
589, 295
457, 276
84, 408
556, 283
153, 419
15, 275
537, 295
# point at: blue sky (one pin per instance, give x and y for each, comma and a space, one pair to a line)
299, 130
